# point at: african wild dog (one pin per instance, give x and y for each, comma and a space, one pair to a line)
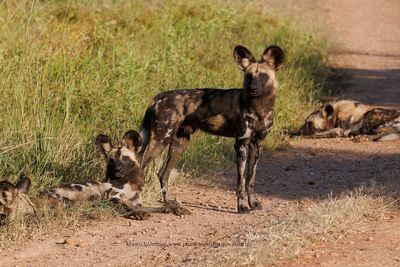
124, 177
244, 114
349, 118
13, 199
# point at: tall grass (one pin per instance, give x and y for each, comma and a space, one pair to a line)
73, 69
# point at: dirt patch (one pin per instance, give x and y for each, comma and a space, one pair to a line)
365, 249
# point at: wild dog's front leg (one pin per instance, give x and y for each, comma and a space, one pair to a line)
241, 147
129, 193
254, 152
134, 203
335, 132
137, 214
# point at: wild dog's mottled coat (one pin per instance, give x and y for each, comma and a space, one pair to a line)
346, 117
244, 114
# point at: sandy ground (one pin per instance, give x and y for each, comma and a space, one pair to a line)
366, 41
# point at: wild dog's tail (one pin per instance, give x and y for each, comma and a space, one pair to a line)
145, 131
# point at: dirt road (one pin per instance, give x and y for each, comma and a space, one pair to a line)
366, 38
366, 47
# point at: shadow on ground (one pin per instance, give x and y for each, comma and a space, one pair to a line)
324, 170
374, 87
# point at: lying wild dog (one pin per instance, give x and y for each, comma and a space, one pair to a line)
13, 199
124, 179
349, 118
244, 114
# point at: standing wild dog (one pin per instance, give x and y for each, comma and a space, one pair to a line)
124, 177
13, 199
345, 118
244, 114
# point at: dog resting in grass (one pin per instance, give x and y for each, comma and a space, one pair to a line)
124, 179
245, 114
345, 118
14, 201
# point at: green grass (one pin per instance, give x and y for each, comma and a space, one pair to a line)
73, 69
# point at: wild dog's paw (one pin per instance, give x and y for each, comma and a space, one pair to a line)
175, 208
256, 205
361, 139
179, 211
243, 210
137, 215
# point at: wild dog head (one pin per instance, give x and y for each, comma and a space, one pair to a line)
321, 120
122, 161
13, 199
259, 76
124, 171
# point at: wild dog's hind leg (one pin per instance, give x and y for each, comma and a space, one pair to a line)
177, 146
241, 147
153, 150
254, 152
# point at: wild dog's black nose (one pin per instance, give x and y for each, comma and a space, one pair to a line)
253, 92
295, 133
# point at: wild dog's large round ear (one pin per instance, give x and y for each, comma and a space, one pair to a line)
103, 144
8, 192
24, 184
328, 111
273, 56
6, 186
132, 140
243, 57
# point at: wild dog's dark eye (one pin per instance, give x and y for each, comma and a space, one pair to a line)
248, 78
264, 76
127, 160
